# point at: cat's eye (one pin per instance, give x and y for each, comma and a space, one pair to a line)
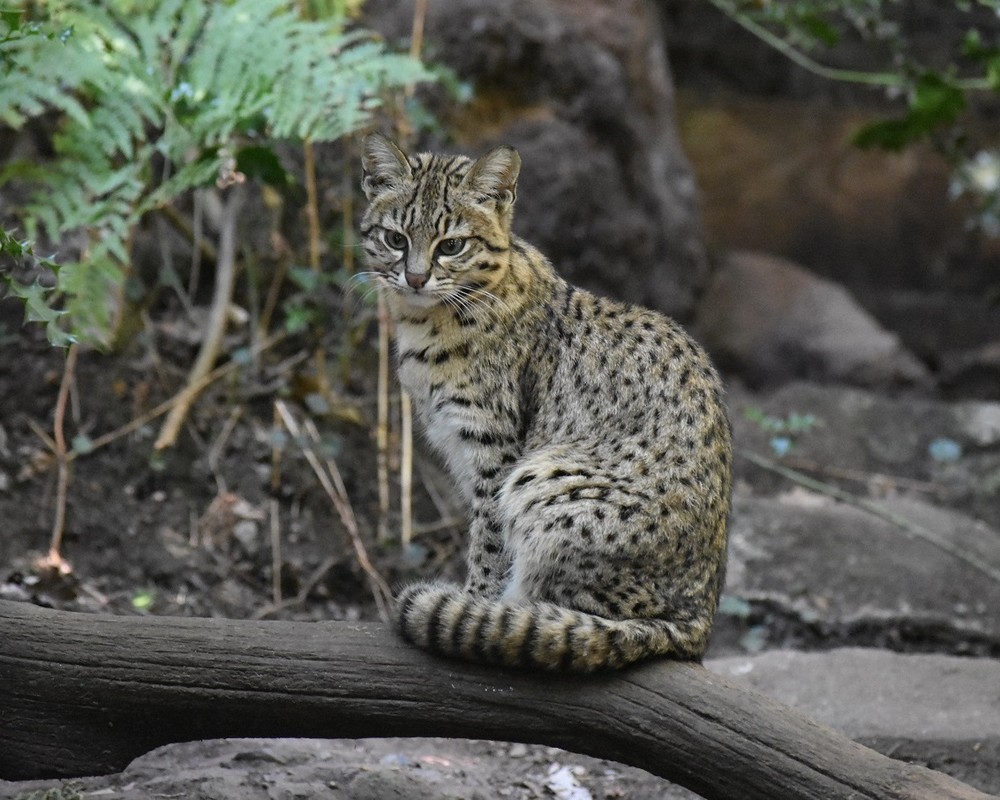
395, 240
450, 247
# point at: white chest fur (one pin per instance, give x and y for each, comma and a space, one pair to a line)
446, 423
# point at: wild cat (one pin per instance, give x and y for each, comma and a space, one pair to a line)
588, 436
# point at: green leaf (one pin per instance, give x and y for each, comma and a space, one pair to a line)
143, 599
934, 102
819, 29
298, 318
305, 278
972, 45
10, 246
993, 72
262, 164
11, 19
38, 308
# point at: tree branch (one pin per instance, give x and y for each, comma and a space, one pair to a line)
82, 694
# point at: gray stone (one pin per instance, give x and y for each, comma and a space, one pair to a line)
869, 443
848, 572
942, 711
394, 783
285, 769
769, 320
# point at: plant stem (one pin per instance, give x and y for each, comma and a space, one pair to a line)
406, 469
275, 552
885, 79
417, 34
333, 484
405, 404
382, 421
312, 203
54, 559
225, 279
312, 215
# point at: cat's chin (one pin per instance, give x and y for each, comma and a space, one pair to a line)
418, 299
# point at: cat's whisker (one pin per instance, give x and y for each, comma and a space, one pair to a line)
484, 294
362, 286
361, 278
474, 298
469, 306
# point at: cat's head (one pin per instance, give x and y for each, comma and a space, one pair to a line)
437, 227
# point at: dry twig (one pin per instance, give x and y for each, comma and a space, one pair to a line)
861, 476
382, 420
333, 484
215, 451
275, 553
225, 279
303, 594
54, 559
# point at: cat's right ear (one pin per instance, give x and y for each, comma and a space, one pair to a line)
385, 165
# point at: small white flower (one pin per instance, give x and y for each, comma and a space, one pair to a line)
983, 172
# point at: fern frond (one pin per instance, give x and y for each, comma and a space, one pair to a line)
188, 81
89, 288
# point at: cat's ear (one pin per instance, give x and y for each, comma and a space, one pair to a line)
495, 176
385, 165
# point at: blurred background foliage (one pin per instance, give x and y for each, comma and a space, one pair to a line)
936, 92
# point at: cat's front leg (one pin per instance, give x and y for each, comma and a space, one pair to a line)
487, 561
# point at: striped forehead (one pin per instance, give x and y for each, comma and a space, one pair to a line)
431, 197
431, 205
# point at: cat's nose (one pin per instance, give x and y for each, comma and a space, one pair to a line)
416, 280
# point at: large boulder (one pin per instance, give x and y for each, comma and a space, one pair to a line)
770, 320
582, 88
901, 572
930, 709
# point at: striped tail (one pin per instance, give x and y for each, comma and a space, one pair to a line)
446, 620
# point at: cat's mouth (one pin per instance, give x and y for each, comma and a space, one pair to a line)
420, 298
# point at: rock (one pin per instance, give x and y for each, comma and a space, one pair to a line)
393, 783
284, 769
869, 443
769, 320
974, 372
963, 343
582, 88
828, 570
941, 711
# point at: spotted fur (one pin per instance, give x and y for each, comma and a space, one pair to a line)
588, 436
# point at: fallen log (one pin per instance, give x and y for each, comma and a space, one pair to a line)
84, 694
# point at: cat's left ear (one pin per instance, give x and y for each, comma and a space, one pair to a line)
494, 176
385, 165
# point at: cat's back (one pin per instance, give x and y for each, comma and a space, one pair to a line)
623, 374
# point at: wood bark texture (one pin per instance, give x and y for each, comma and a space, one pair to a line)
83, 694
